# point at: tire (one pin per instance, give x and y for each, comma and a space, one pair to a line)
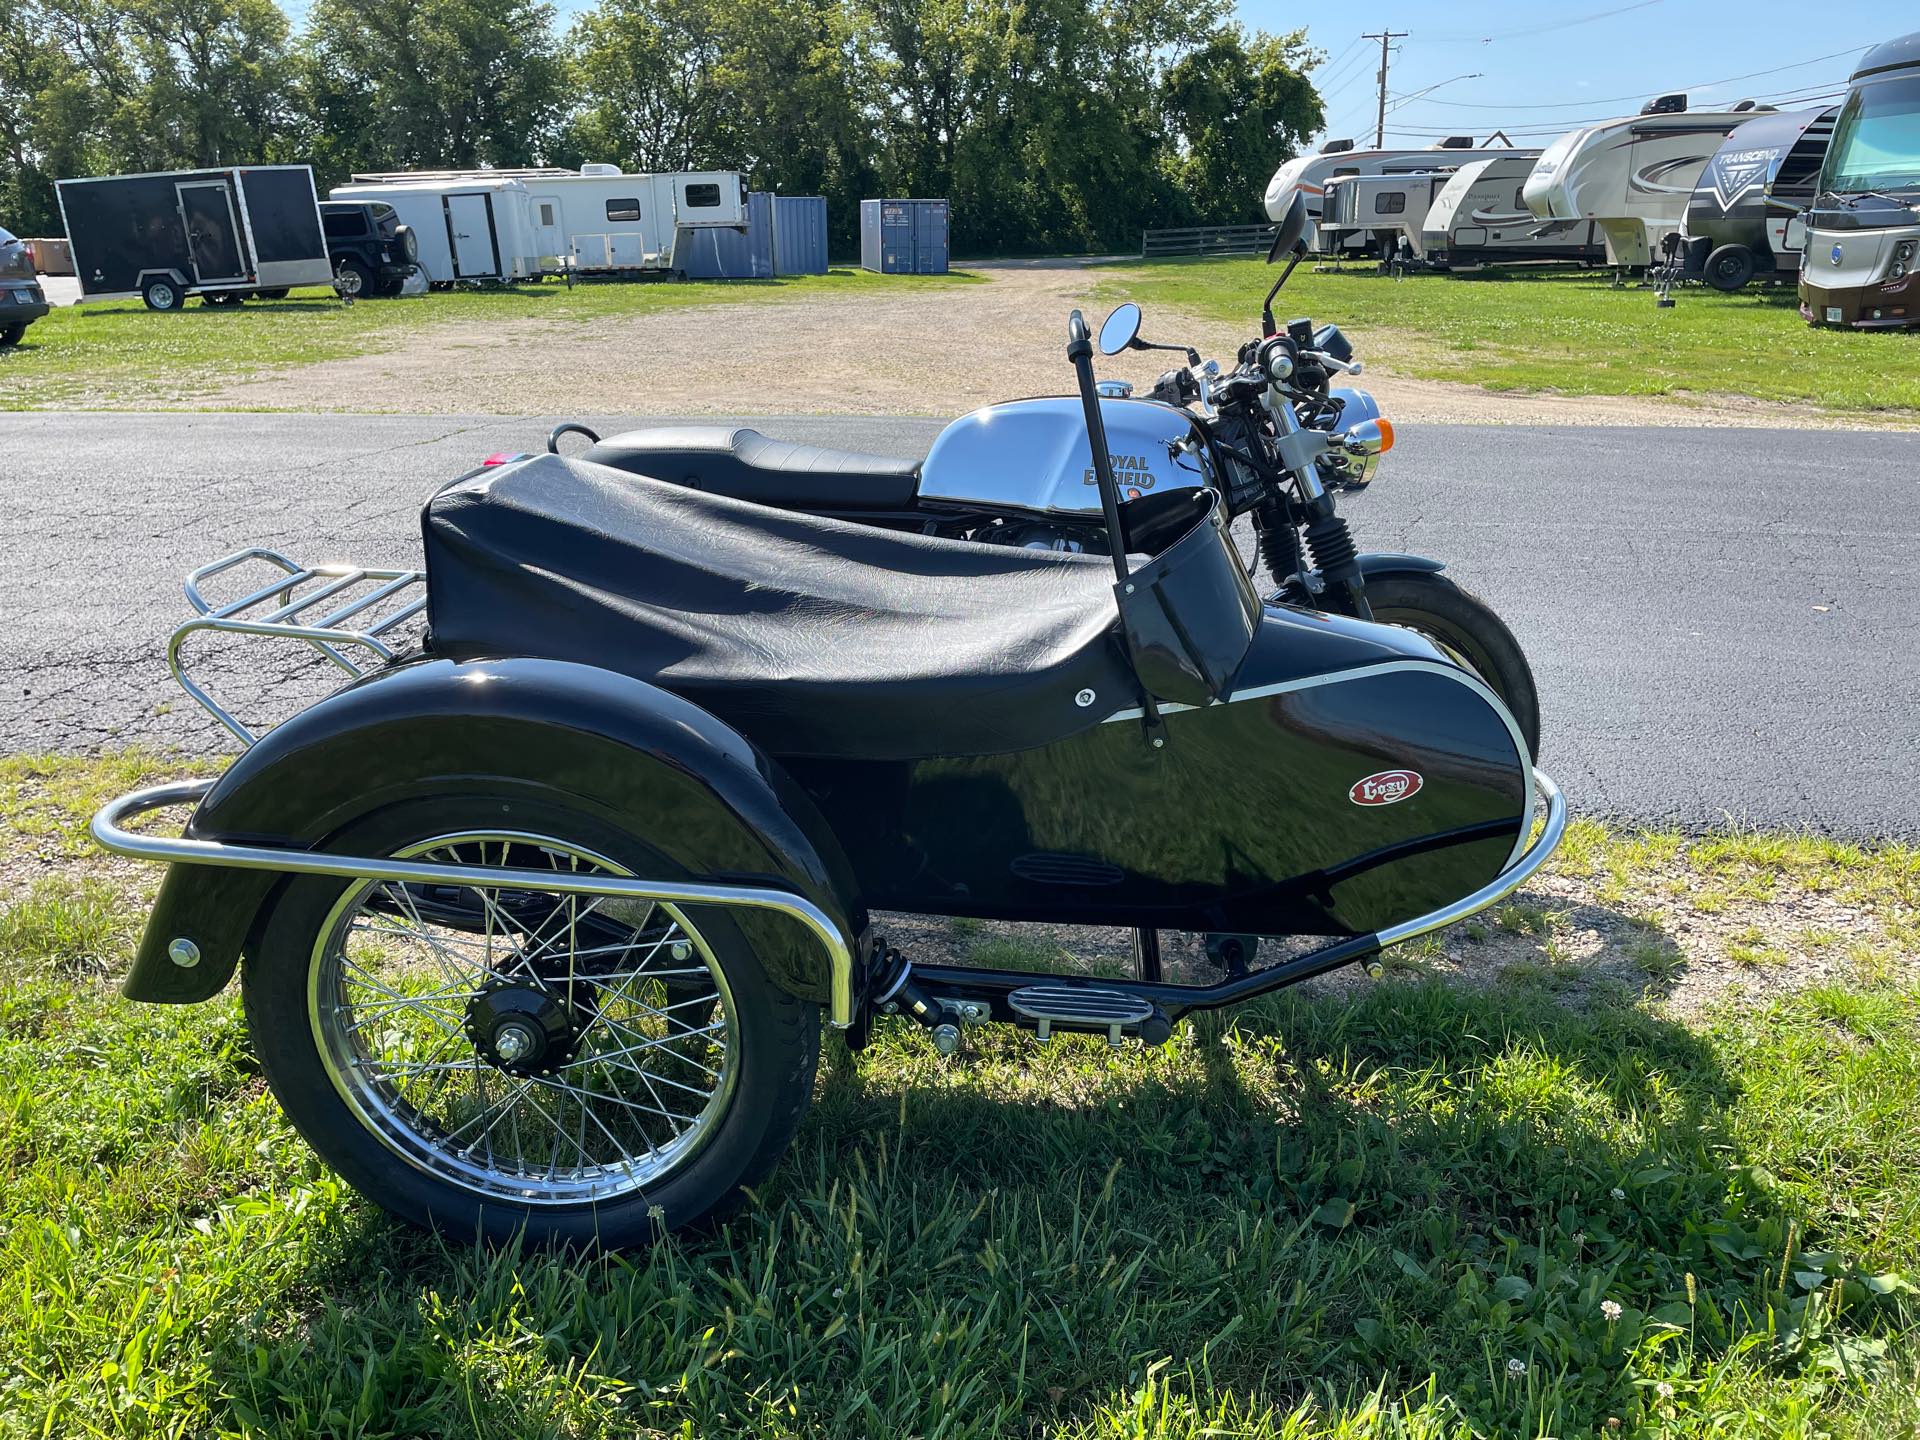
1729, 268
353, 279
224, 300
279, 293
1466, 625
162, 295
393, 1128
390, 288
10, 334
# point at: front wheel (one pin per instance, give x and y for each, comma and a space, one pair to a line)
497, 1062
1465, 625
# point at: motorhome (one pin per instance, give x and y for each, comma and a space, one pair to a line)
466, 231
1630, 176
1480, 218
224, 234
599, 219
1864, 227
1745, 217
1337, 159
1373, 214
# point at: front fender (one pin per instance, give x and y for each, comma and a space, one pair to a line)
1385, 562
626, 752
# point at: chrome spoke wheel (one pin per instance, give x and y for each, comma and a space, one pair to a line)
522, 1044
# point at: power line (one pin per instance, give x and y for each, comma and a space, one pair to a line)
1643, 94
1467, 37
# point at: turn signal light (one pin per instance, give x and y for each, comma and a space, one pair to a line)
1386, 433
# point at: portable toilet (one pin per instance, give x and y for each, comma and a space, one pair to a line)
799, 234
724, 253
904, 237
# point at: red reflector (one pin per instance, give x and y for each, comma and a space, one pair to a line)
500, 457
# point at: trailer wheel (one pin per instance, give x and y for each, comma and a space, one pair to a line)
279, 293
352, 279
226, 300
10, 334
162, 294
1729, 268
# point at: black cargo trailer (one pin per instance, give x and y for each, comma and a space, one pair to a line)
225, 234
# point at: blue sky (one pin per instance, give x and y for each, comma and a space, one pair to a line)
1575, 60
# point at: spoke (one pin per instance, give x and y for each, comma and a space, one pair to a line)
421, 932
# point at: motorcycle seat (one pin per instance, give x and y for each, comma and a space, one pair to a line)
811, 636
734, 460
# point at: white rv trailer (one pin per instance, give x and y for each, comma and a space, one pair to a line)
600, 220
1480, 218
1337, 159
1373, 213
472, 230
1631, 176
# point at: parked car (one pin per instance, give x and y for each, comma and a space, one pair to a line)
21, 300
372, 252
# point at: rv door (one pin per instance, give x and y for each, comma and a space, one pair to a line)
547, 236
470, 232
213, 230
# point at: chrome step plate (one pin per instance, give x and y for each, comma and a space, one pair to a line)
1080, 1007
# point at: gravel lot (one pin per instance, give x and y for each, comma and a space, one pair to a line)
934, 351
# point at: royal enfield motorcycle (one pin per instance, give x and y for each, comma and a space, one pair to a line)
1021, 473
537, 916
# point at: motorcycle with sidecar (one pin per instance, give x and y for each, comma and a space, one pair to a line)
537, 919
1021, 473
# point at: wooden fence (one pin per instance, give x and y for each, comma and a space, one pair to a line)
1207, 240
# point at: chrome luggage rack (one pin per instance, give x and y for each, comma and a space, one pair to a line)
378, 601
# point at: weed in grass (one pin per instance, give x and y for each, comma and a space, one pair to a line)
66, 924
1522, 918
1750, 946
965, 927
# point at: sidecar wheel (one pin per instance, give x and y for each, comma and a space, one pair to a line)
491, 1063
1465, 624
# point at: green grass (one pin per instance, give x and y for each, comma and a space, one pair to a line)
1563, 331
106, 354
1408, 1213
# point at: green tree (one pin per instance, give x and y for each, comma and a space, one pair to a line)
439, 83
1235, 108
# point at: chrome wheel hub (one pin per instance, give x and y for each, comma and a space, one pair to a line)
522, 1029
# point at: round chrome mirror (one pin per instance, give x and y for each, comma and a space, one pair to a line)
1120, 329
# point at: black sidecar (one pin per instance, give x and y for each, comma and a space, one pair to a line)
538, 920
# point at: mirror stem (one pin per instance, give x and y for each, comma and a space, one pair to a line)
1267, 327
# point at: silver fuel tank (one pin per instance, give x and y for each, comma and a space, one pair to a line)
1032, 456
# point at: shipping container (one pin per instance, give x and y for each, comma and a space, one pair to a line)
730, 254
799, 235
904, 237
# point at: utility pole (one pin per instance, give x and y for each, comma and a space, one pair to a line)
1380, 121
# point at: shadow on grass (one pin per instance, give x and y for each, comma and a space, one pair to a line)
1311, 1197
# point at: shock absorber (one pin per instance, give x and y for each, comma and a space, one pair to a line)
1330, 543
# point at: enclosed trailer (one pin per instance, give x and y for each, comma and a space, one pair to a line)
1863, 230
799, 235
1481, 218
225, 234
1309, 175
1631, 176
1372, 214
904, 237
1744, 219
466, 230
723, 253
599, 219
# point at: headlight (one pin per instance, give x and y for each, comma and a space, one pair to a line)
1897, 271
1356, 458
1904, 250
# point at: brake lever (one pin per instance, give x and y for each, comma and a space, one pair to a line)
1323, 359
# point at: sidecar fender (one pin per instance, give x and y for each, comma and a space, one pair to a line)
619, 749
1386, 562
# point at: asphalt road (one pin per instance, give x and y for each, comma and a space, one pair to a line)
1725, 624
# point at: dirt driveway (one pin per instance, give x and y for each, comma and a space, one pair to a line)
941, 350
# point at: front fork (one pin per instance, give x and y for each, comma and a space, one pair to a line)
1330, 551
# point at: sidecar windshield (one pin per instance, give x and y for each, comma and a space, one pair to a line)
1189, 614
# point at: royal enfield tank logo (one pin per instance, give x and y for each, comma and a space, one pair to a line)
1127, 470
1388, 787
1833, 255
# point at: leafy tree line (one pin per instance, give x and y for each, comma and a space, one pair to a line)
1050, 124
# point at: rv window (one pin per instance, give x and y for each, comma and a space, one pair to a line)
1346, 170
623, 210
1520, 198
546, 213
703, 197
342, 224
1389, 204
